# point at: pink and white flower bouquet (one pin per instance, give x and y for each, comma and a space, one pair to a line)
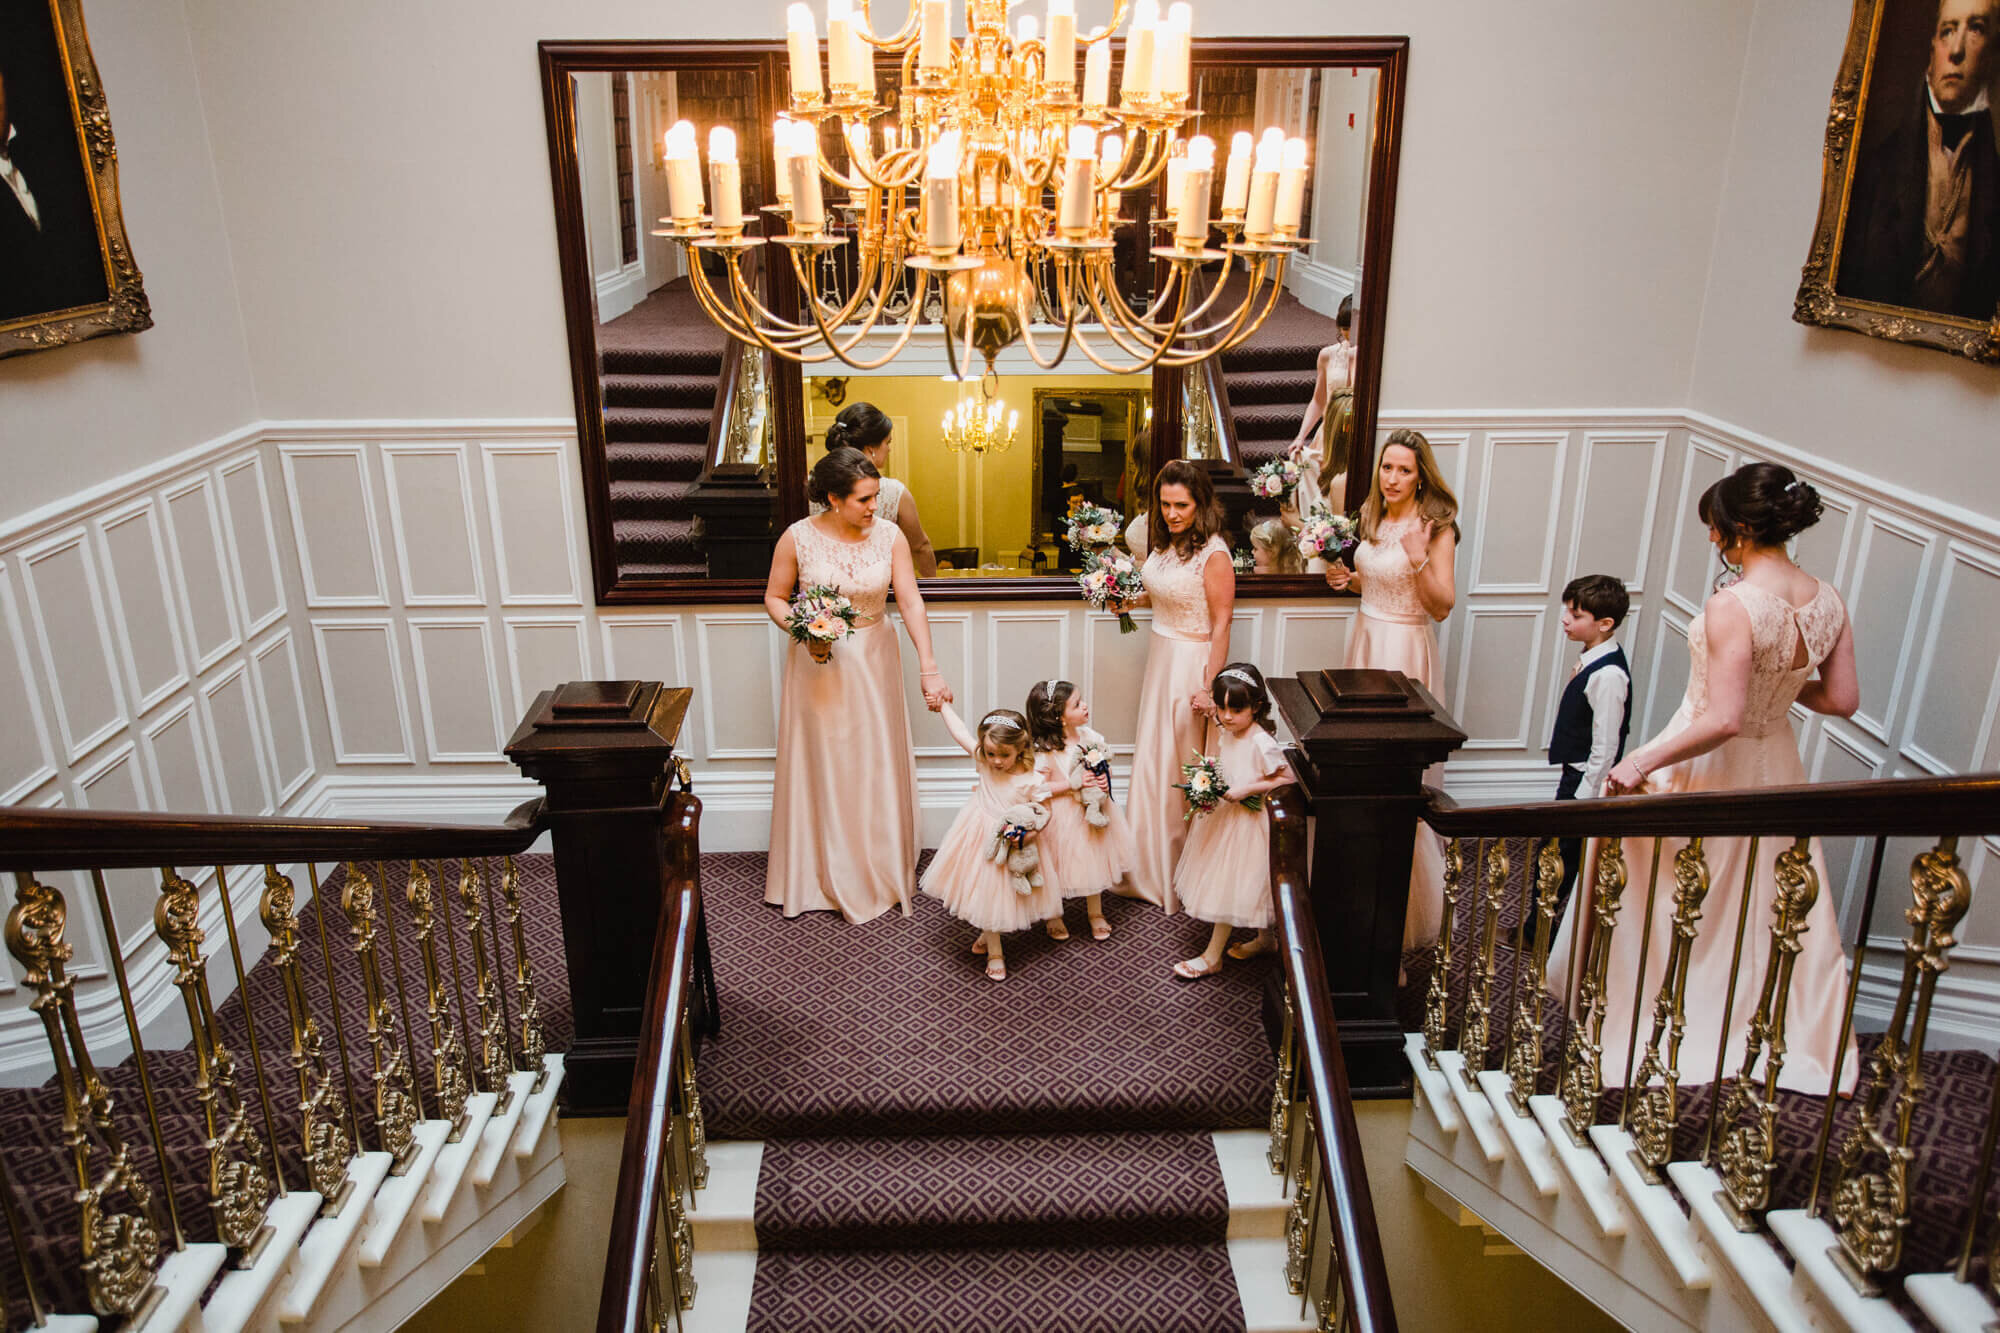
1205, 787
821, 617
1111, 582
1277, 479
1090, 527
1328, 535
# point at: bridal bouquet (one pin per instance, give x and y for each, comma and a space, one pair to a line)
821, 616
1110, 581
1277, 479
1090, 527
1329, 536
1094, 760
1204, 787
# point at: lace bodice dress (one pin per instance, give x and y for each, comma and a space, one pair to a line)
1179, 597
862, 569
1388, 579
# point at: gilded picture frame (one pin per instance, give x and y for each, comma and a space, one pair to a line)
1871, 268
66, 268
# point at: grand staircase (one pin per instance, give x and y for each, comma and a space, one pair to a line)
1269, 379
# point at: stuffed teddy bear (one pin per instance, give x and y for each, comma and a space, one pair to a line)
1014, 850
1096, 801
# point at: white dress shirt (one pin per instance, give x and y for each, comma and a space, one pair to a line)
1606, 691
16, 182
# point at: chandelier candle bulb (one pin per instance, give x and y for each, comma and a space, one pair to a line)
1236, 176
725, 180
802, 42
1097, 76
840, 45
1177, 167
781, 153
1136, 80
1077, 193
941, 196
1110, 157
1196, 189
1263, 206
1291, 188
683, 173
934, 45
808, 207
1170, 57
1059, 52
864, 57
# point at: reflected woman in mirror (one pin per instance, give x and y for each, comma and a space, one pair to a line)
1191, 587
1331, 408
844, 823
864, 426
1404, 571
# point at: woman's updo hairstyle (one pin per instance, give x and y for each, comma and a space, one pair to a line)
1764, 504
835, 476
859, 426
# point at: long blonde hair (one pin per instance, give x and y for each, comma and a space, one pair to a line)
1435, 502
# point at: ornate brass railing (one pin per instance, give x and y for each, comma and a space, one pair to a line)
1651, 870
1334, 1260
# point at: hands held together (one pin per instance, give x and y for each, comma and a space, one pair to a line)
936, 693
1624, 778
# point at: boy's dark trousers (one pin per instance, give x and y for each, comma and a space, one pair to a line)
1571, 850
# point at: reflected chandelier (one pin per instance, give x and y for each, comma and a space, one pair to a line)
975, 428
997, 177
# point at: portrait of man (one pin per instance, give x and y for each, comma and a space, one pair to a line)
51, 257
1923, 215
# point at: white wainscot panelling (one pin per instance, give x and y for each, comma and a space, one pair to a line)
178, 756
201, 564
72, 621
242, 768
647, 647
1666, 677
135, 575
333, 520
458, 689
1514, 525
1979, 932
1617, 489
1951, 710
281, 700
253, 542
533, 523
1890, 573
1452, 449
1823, 548
1495, 696
114, 782
1246, 636
26, 759
1310, 640
1840, 754
742, 663
431, 517
1692, 566
951, 642
362, 679
1114, 665
545, 651
1022, 648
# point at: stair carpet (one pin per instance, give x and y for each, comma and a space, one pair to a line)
940, 1152
1270, 380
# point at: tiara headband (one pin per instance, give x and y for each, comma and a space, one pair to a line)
1243, 676
997, 715
1049, 686
1793, 484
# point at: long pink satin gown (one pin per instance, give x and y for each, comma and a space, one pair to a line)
1395, 633
1764, 753
1170, 731
844, 823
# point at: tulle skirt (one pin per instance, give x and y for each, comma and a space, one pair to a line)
1082, 859
1225, 871
977, 889
1170, 733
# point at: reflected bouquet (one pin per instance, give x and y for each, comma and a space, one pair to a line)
1088, 527
1277, 479
1329, 536
1205, 787
821, 617
1110, 582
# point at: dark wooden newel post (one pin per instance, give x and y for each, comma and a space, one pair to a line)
603, 751
1367, 737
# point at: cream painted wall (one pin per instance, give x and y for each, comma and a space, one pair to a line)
76, 416
1920, 419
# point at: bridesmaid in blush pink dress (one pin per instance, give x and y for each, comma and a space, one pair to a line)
1191, 586
1753, 652
844, 825
1404, 571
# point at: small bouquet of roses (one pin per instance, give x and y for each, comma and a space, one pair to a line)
1094, 761
1205, 788
1329, 536
1277, 479
1110, 582
1090, 527
821, 617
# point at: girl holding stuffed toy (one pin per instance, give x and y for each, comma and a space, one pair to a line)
1224, 875
1088, 845
987, 871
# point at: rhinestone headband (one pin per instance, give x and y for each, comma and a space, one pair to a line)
997, 715
1049, 686
1243, 676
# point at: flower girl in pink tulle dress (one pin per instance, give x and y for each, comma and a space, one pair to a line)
1224, 874
1087, 845
971, 873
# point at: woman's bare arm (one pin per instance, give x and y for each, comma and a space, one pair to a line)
783, 582
922, 555
916, 622
1837, 690
1218, 585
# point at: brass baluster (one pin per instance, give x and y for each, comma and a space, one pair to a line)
1524, 1047
447, 1051
1656, 1110
490, 912
416, 1085
320, 906
1281, 1089
396, 1112
1862, 932
491, 1034
1748, 1150
17, 1234
697, 1123
1639, 982
1729, 1000
1299, 1213
1436, 994
238, 1189
1583, 1071
250, 1026
119, 1248
680, 1234
323, 1137
1872, 1208
1316, 1188
1476, 1034
534, 1041
458, 980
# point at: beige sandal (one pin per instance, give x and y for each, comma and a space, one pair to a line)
1195, 968
1058, 928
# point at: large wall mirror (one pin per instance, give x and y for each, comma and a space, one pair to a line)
695, 447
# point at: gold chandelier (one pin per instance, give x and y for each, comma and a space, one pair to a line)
973, 429
996, 176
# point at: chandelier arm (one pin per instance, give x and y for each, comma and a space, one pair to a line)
758, 315
1150, 320
1117, 17
1137, 347
896, 41
1194, 315
841, 350
1139, 144
732, 321
1026, 317
1230, 330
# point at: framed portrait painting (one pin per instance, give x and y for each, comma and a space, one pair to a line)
66, 269
1908, 241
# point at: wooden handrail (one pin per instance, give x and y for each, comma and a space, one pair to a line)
37, 839
1364, 1272
649, 1116
1899, 807
728, 385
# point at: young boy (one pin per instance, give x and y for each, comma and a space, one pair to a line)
1596, 708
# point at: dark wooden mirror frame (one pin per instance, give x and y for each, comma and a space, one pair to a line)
1389, 56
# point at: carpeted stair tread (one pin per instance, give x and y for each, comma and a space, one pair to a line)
679, 462
659, 569
643, 500
1267, 421
963, 1192
1101, 1289
679, 424
890, 1028
651, 390
1271, 386
662, 540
